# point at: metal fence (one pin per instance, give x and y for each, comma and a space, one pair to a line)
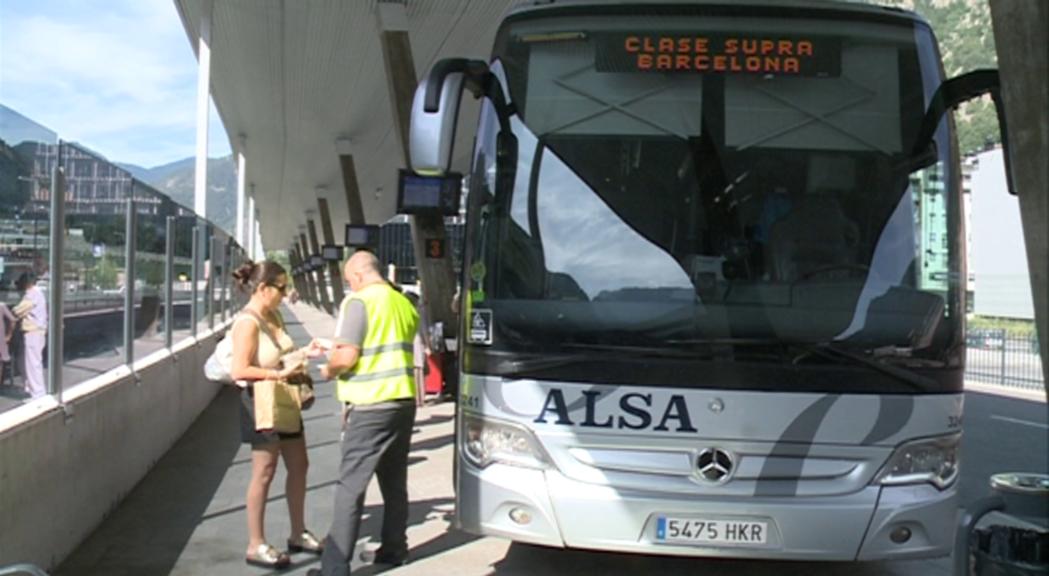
116, 280
1005, 359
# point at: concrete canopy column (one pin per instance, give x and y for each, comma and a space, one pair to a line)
344, 147
315, 248
200, 183
329, 238
250, 232
258, 241
1021, 36
306, 291
260, 250
297, 279
311, 281
438, 279
241, 192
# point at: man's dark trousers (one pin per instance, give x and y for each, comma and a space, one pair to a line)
376, 440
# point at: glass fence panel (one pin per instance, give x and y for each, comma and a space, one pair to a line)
222, 284
95, 277
152, 210
204, 274
182, 290
95, 269
240, 297
26, 163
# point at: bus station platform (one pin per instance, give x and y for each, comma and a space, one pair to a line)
187, 517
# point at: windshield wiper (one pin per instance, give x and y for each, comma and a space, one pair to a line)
904, 357
588, 353
827, 350
538, 362
649, 351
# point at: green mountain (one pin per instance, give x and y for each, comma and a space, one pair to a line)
176, 180
963, 28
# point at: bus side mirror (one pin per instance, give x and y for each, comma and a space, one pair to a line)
435, 111
949, 96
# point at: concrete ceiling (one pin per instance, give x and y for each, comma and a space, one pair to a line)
293, 76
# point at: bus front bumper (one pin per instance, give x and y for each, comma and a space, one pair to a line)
547, 508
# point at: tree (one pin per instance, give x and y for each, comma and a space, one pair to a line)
966, 38
103, 274
280, 257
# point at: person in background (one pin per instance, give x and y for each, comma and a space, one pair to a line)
420, 350
372, 359
7, 329
259, 343
777, 205
32, 312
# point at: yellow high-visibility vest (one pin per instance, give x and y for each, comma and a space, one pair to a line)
384, 371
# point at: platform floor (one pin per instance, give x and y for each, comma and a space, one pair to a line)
187, 516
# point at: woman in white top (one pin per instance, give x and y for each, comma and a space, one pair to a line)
32, 311
259, 342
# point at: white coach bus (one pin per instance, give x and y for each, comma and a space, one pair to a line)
714, 285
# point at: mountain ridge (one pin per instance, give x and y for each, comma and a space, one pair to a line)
177, 180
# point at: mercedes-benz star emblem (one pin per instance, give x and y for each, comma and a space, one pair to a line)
714, 465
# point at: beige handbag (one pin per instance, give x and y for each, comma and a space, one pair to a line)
277, 406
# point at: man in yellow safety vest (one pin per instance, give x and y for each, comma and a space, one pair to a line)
371, 359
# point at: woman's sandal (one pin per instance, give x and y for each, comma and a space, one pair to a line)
266, 556
307, 542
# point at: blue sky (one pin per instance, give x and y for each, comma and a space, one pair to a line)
118, 76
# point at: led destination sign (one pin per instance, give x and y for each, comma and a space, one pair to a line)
718, 54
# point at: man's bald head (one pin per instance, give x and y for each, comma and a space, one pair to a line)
362, 269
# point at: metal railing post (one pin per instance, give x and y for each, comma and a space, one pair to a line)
1004, 346
227, 260
194, 315
169, 282
56, 263
213, 252
129, 281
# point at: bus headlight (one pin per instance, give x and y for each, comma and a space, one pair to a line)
934, 460
486, 441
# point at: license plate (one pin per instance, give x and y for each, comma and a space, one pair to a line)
712, 531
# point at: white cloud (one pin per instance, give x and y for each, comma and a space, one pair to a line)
121, 78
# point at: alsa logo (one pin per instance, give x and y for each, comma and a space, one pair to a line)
636, 412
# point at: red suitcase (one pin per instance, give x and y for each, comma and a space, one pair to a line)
434, 378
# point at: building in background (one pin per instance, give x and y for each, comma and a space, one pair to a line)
395, 247
998, 257
94, 185
933, 261
97, 191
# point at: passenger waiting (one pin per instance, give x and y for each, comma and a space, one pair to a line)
32, 312
260, 344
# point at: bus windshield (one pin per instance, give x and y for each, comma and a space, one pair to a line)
686, 181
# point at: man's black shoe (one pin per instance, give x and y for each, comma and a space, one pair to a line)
314, 572
379, 556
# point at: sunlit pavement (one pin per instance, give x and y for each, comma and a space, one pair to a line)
187, 517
